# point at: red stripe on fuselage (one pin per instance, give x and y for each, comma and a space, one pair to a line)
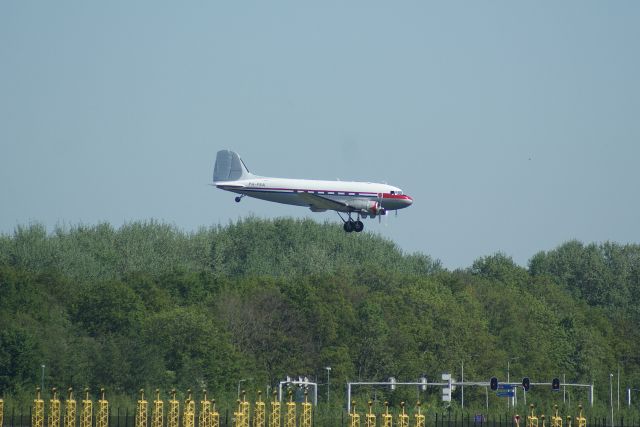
396, 196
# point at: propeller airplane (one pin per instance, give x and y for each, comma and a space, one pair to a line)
362, 199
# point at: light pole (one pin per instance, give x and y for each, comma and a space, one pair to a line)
618, 387
328, 368
508, 378
611, 396
42, 378
486, 394
462, 389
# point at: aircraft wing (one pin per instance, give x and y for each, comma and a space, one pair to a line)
318, 202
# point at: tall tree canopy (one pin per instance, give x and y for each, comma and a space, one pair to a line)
148, 304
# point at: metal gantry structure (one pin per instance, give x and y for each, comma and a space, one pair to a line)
37, 414
274, 418
302, 382
451, 384
141, 411
102, 418
157, 415
189, 414
54, 410
86, 416
70, 409
173, 419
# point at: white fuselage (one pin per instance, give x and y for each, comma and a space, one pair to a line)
348, 196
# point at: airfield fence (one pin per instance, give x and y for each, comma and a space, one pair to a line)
338, 418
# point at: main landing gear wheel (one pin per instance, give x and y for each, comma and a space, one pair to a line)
238, 199
350, 226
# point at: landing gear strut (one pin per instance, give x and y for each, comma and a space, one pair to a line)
239, 198
351, 225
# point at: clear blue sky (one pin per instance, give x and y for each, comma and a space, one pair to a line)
514, 125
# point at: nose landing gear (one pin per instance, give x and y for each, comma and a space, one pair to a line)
237, 199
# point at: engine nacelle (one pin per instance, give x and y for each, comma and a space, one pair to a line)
369, 207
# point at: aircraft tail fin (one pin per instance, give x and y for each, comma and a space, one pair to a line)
229, 167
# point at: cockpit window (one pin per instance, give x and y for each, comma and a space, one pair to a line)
393, 192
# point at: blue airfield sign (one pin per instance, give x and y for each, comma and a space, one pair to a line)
505, 394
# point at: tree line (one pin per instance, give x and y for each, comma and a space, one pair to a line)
149, 305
